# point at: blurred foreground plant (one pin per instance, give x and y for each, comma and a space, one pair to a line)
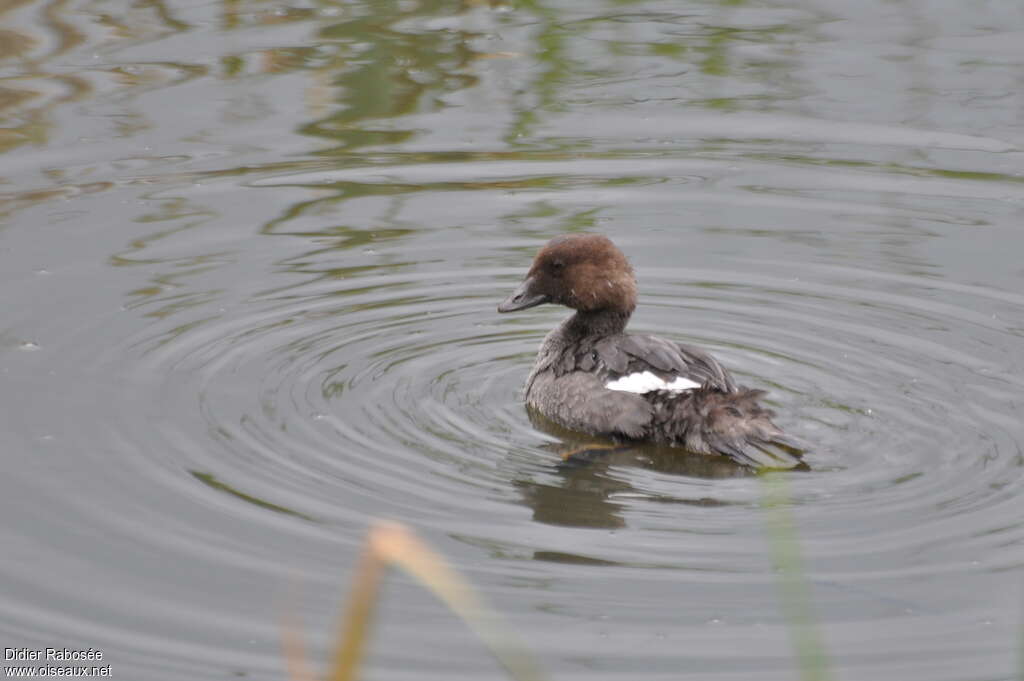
797, 603
394, 545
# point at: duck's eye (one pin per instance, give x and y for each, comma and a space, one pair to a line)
557, 266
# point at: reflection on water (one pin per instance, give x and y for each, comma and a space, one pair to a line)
249, 265
213, 483
592, 477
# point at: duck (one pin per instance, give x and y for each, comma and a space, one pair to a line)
592, 377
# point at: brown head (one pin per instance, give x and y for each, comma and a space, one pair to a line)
583, 271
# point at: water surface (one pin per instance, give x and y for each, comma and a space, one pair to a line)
249, 261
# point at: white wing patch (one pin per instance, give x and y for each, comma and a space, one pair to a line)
645, 382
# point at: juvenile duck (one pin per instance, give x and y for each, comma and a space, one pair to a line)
592, 376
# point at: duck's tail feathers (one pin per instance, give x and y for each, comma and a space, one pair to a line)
733, 424
761, 455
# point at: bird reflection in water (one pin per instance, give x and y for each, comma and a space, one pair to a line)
591, 489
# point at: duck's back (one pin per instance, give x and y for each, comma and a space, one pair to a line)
649, 388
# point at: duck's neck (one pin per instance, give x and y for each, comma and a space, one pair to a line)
607, 322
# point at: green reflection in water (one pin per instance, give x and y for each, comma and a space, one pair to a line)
382, 71
210, 481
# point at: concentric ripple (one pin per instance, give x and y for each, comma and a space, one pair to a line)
396, 391
375, 386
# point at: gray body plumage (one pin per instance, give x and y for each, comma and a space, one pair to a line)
567, 385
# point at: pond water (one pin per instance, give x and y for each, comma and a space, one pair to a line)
250, 254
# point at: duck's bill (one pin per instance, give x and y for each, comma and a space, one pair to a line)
523, 298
